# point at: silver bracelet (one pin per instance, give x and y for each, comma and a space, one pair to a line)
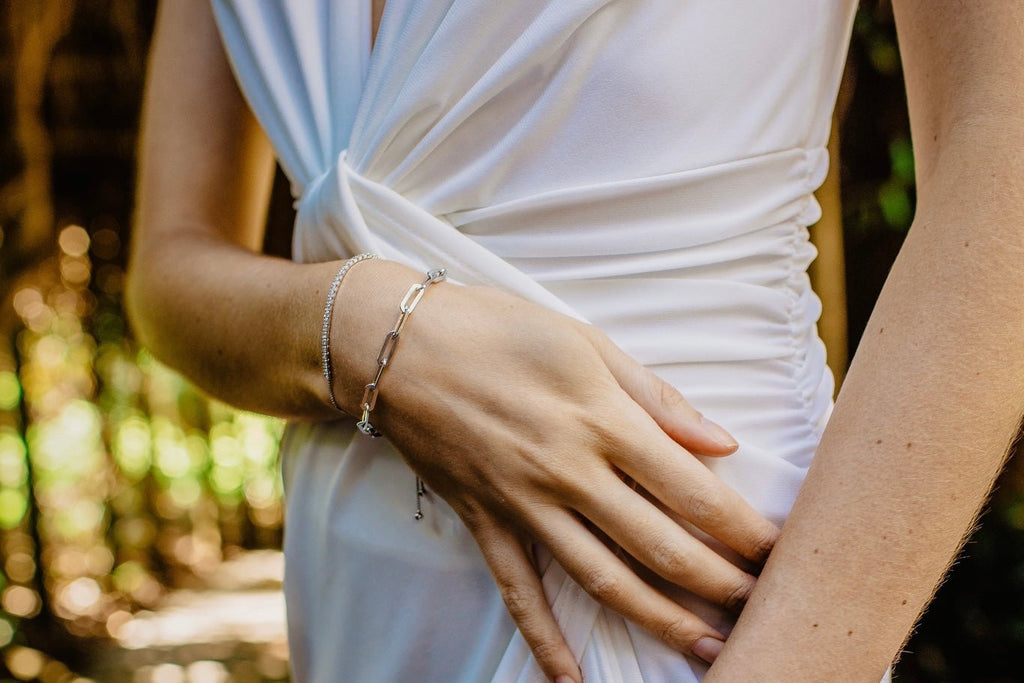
408, 305
325, 334
370, 392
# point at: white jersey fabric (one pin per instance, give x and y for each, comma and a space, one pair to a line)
647, 166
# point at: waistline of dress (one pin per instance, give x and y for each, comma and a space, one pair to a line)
686, 267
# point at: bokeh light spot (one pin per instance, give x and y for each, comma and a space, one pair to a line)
207, 671
10, 390
24, 663
12, 459
185, 492
20, 601
6, 633
129, 576
27, 301
80, 596
74, 240
895, 204
75, 270
13, 504
167, 673
116, 622
132, 447
20, 567
226, 480
106, 244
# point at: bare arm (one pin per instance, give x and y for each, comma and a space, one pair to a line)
196, 284
936, 390
519, 417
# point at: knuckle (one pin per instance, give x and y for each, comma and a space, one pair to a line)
596, 337
762, 543
737, 596
679, 633
592, 334
705, 505
518, 602
604, 586
668, 396
668, 560
545, 650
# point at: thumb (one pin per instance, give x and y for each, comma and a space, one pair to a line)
673, 413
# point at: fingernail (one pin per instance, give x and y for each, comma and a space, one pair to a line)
717, 433
707, 649
564, 678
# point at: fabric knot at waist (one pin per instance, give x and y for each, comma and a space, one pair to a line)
696, 266
342, 213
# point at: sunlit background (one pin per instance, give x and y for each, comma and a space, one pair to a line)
140, 524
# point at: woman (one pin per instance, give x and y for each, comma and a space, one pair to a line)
646, 167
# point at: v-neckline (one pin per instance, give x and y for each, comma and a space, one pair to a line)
376, 12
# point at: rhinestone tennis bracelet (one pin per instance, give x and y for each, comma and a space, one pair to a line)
325, 334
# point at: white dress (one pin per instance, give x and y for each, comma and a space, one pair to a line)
644, 165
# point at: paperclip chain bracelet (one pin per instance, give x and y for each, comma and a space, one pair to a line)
325, 334
408, 305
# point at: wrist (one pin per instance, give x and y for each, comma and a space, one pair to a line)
365, 310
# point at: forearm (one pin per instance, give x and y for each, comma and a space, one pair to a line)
245, 327
919, 432
242, 326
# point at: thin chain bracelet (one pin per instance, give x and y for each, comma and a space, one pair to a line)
325, 334
408, 305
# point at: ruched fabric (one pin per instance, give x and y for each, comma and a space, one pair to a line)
645, 166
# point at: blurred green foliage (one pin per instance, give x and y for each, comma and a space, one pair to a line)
118, 481
124, 481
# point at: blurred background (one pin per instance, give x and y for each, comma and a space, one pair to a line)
140, 523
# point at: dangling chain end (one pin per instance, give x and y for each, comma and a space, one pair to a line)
420, 492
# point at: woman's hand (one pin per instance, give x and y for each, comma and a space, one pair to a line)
530, 424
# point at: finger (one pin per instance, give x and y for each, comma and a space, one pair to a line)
673, 413
613, 584
688, 488
661, 545
524, 598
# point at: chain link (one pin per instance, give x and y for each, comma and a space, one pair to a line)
387, 349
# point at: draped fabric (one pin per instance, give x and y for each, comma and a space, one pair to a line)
644, 166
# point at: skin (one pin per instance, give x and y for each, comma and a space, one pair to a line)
528, 423
918, 434
933, 397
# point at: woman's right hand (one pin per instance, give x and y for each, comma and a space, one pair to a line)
533, 426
